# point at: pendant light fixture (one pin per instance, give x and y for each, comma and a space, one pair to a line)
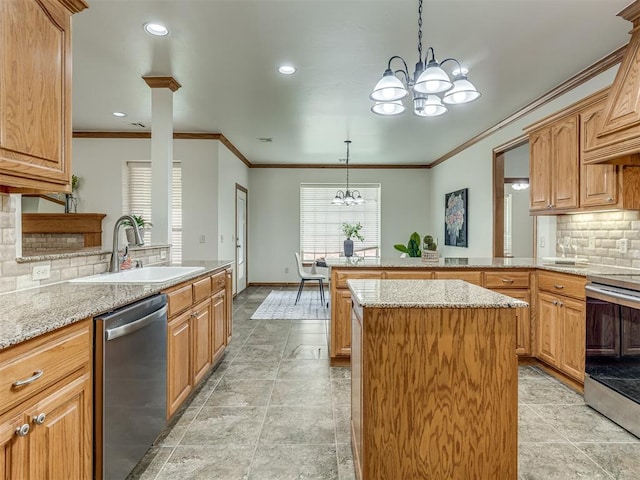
430, 86
347, 196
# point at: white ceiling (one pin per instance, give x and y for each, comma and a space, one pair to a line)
225, 53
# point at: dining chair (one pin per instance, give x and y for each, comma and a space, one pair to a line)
305, 277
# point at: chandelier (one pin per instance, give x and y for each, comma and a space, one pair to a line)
430, 85
347, 197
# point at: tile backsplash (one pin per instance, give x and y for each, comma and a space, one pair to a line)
604, 230
16, 273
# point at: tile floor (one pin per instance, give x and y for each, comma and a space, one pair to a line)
274, 409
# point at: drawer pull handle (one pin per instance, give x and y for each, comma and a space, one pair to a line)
23, 430
507, 280
36, 375
39, 420
559, 287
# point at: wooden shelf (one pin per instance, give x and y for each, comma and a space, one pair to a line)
88, 224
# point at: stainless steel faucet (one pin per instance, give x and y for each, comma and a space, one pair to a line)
115, 261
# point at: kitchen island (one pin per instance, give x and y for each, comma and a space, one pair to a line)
434, 381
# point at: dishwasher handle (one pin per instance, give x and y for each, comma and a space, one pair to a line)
128, 328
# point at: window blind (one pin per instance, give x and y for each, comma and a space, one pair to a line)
321, 222
137, 200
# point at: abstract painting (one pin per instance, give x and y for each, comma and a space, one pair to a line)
455, 218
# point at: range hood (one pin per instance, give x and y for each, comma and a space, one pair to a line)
616, 138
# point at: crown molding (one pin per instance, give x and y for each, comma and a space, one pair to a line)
74, 6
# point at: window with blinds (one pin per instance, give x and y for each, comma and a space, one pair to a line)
137, 200
321, 222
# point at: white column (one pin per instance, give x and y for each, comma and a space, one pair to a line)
161, 163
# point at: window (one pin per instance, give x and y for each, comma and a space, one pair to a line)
137, 200
321, 222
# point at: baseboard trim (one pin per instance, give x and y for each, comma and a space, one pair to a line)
568, 381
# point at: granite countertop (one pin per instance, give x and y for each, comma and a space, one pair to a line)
476, 263
427, 294
28, 313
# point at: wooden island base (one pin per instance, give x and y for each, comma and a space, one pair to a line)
434, 393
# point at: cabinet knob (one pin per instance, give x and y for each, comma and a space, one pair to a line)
39, 420
23, 430
558, 286
609, 199
555, 302
507, 280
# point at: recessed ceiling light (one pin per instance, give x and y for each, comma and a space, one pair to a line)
156, 29
460, 70
119, 114
287, 69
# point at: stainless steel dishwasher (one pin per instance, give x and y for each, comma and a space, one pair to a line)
130, 385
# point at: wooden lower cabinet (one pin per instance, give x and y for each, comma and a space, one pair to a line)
49, 433
562, 333
341, 324
201, 344
229, 303
179, 377
219, 321
197, 333
523, 321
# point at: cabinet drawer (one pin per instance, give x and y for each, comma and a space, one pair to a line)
562, 284
506, 279
471, 277
50, 358
409, 274
340, 277
179, 299
218, 281
201, 289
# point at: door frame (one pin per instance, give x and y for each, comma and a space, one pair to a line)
246, 236
498, 194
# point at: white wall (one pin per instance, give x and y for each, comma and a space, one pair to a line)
101, 164
231, 171
274, 213
472, 169
521, 223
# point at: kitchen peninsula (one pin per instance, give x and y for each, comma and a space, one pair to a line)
434, 380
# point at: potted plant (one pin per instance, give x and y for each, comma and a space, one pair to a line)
142, 226
412, 248
351, 230
429, 248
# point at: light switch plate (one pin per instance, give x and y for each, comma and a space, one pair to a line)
163, 255
623, 245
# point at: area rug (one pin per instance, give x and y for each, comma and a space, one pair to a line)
280, 305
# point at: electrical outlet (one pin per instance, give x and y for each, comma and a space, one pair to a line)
221, 238
203, 239
286, 269
163, 255
41, 272
623, 245
592, 243
541, 242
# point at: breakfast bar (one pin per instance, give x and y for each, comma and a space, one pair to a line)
434, 380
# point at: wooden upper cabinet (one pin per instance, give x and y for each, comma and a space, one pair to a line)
35, 94
553, 166
540, 169
618, 131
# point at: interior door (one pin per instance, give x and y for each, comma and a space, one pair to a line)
241, 239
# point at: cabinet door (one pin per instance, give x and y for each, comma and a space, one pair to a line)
61, 446
14, 457
179, 377
523, 320
598, 185
565, 174
201, 338
548, 329
228, 299
35, 94
573, 337
219, 312
341, 324
540, 169
356, 391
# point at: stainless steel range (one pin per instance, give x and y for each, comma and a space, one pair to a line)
612, 363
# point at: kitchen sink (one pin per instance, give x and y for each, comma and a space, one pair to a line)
140, 275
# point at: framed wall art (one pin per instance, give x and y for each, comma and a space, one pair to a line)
456, 218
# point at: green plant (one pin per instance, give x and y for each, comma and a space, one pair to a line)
75, 183
140, 221
412, 248
351, 230
429, 244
